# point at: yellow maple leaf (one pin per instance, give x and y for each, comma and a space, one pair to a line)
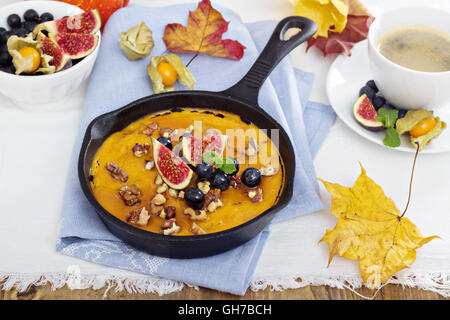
371, 230
330, 15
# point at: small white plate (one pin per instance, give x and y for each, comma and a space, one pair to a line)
346, 77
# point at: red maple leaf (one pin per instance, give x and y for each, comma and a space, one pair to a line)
203, 34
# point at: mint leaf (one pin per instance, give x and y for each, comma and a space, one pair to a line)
228, 166
392, 138
212, 157
387, 117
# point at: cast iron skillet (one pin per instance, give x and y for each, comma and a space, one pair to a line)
241, 99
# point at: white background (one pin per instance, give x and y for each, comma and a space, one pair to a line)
35, 149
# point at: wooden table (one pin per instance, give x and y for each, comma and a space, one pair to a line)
389, 292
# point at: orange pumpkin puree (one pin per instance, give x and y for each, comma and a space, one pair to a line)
237, 209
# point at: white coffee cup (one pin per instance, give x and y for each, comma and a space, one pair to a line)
403, 87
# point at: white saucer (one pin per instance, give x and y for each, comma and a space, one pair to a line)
346, 76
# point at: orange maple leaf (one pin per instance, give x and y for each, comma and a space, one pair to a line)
203, 34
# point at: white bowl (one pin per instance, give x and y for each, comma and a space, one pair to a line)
40, 91
403, 87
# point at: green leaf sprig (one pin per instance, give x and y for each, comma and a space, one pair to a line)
225, 164
388, 117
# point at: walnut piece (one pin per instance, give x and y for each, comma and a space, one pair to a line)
158, 199
212, 196
116, 172
150, 128
149, 165
140, 150
196, 229
165, 132
173, 193
167, 213
181, 194
213, 206
130, 195
163, 188
170, 227
196, 215
268, 170
154, 209
158, 180
235, 182
139, 217
255, 195
204, 186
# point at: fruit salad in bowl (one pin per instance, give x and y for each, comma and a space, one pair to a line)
47, 49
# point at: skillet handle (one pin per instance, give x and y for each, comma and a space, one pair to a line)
275, 50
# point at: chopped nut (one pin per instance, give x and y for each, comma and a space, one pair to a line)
158, 199
158, 180
173, 193
139, 217
213, 206
196, 215
130, 195
170, 227
149, 165
204, 186
154, 209
195, 228
181, 194
212, 196
252, 148
167, 213
268, 170
162, 189
116, 172
165, 132
255, 195
150, 128
235, 182
140, 150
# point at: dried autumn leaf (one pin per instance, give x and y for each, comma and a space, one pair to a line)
327, 14
371, 230
356, 30
203, 34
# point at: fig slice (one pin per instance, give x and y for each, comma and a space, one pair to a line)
86, 22
366, 115
76, 45
194, 146
171, 167
50, 48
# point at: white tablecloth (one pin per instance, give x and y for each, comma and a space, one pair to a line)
35, 150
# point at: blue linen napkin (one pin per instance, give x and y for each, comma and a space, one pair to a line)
115, 82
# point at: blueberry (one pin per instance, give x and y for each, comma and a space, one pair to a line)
378, 102
388, 106
29, 25
204, 171
31, 15
9, 69
21, 32
5, 59
165, 142
236, 165
46, 16
2, 29
14, 21
220, 180
186, 134
371, 84
251, 177
4, 35
194, 198
402, 113
368, 91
